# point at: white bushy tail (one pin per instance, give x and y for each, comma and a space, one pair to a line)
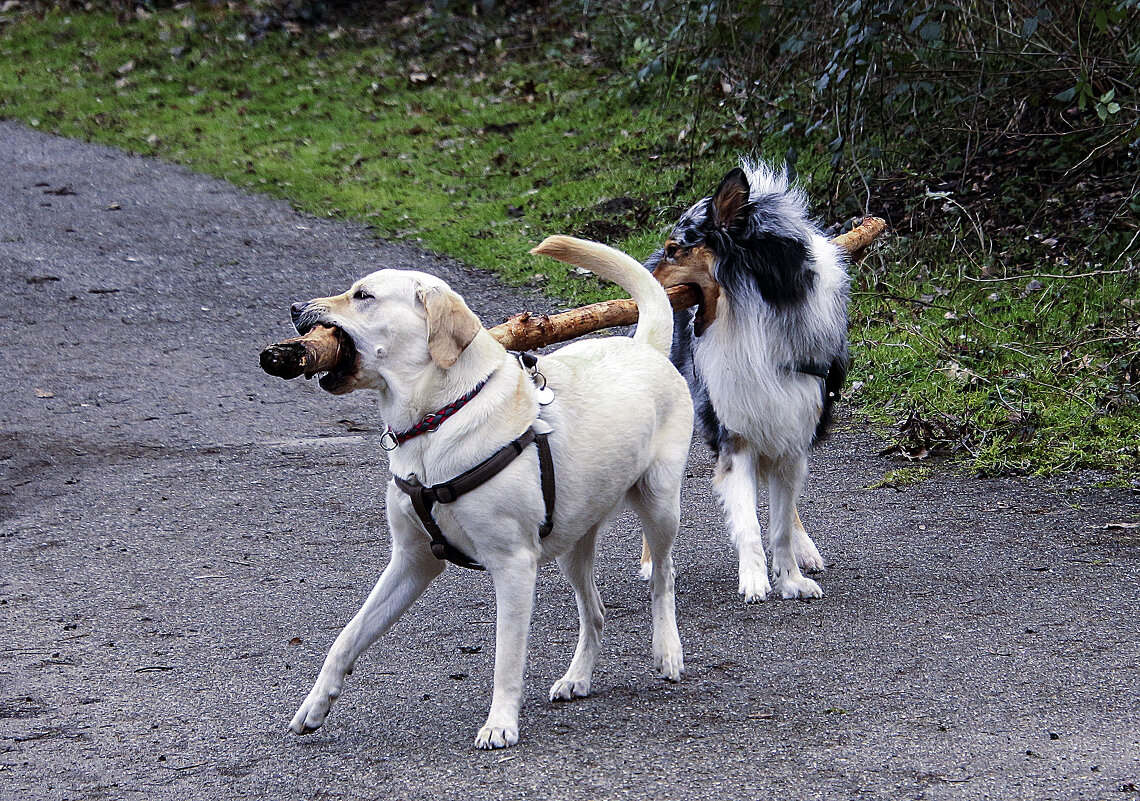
655, 314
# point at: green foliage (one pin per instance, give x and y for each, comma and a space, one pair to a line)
1003, 146
1001, 322
474, 164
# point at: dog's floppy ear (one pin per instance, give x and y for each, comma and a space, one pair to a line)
451, 325
729, 198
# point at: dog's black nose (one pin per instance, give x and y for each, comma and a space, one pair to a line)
296, 310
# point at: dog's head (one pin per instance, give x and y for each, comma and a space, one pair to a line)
399, 322
749, 237
691, 252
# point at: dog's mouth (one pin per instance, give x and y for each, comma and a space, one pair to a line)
706, 308
334, 364
701, 282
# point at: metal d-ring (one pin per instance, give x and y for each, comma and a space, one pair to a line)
388, 439
529, 363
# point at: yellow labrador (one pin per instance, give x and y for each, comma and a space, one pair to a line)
618, 431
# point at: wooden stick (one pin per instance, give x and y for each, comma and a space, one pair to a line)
322, 349
318, 350
528, 331
858, 239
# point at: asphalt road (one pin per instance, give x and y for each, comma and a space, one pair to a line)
181, 537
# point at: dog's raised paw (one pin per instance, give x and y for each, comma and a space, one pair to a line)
646, 571
801, 587
569, 689
490, 737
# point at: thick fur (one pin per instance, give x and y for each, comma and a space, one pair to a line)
619, 430
774, 298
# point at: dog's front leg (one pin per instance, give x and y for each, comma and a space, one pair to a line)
784, 482
409, 572
735, 486
514, 578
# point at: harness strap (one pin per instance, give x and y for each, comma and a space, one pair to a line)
546, 477
818, 369
423, 498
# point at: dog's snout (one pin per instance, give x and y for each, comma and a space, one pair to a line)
296, 310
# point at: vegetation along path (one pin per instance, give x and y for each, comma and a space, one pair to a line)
1001, 322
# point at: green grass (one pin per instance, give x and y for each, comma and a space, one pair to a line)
1031, 374
1016, 372
479, 165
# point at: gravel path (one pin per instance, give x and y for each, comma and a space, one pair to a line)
182, 537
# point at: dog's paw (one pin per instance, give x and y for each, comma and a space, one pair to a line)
566, 689
313, 711
801, 587
754, 584
646, 571
807, 555
496, 737
671, 663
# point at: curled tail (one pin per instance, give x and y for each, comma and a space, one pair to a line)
655, 314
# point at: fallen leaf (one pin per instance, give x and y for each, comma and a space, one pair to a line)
296, 641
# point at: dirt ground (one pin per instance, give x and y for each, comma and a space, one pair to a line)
181, 537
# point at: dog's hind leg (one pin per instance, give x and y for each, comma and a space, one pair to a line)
646, 571
410, 569
807, 555
514, 575
785, 479
657, 501
734, 483
578, 567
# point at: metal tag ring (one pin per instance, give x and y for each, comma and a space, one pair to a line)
388, 439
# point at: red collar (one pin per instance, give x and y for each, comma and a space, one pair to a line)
390, 440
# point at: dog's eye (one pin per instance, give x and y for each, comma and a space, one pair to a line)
671, 250
360, 294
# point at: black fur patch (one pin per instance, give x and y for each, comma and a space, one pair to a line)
774, 266
836, 375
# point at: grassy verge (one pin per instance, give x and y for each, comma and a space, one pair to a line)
967, 341
479, 164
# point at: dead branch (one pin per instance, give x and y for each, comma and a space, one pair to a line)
319, 350
528, 331
322, 348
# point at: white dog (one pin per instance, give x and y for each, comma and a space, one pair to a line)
618, 431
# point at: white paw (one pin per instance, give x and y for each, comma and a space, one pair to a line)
754, 584
808, 556
646, 571
314, 710
566, 689
801, 587
671, 663
496, 737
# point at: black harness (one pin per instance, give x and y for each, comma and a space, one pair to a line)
423, 498
818, 369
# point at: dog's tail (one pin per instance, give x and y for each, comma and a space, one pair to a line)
655, 314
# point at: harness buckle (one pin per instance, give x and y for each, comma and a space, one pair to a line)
444, 493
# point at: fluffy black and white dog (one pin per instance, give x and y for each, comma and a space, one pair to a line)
765, 354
